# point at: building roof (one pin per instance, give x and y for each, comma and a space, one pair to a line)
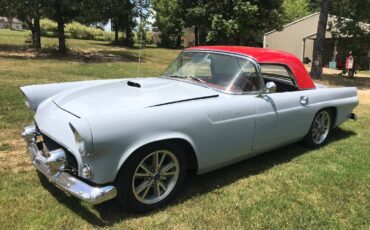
262, 55
294, 22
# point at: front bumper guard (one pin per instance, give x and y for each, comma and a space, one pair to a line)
52, 167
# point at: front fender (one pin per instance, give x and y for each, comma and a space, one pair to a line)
151, 139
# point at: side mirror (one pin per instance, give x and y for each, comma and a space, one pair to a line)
270, 87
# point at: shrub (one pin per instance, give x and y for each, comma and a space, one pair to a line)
75, 30
48, 28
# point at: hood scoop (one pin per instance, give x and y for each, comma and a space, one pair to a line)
133, 84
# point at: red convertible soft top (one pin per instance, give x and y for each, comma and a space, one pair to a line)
262, 55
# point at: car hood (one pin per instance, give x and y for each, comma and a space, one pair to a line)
128, 95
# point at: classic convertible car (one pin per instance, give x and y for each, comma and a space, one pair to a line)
135, 139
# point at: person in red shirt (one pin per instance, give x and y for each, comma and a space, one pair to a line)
350, 64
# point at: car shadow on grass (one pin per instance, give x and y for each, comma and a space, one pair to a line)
111, 212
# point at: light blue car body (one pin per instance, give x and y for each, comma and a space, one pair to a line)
116, 118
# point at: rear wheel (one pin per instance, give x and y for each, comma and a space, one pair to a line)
151, 177
320, 129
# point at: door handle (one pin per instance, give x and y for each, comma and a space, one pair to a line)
304, 100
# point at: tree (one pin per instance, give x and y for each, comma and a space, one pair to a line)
296, 9
66, 11
30, 12
243, 22
8, 9
352, 17
121, 13
198, 17
169, 21
237, 22
318, 51
144, 12
26, 11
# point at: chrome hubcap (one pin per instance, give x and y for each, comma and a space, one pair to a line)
321, 127
155, 177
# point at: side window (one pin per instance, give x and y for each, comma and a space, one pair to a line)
277, 73
237, 75
275, 70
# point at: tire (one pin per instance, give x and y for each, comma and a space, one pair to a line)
320, 129
142, 187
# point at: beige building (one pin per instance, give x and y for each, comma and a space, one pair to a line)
12, 23
298, 38
188, 37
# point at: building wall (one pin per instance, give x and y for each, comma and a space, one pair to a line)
290, 38
188, 37
17, 26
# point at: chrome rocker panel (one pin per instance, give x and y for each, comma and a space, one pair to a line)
52, 167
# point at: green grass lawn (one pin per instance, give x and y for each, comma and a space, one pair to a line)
292, 187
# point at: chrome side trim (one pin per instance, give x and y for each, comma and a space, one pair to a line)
52, 167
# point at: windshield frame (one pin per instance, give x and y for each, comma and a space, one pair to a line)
245, 57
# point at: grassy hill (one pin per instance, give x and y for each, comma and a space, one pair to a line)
292, 187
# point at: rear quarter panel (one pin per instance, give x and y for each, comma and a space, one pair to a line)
344, 100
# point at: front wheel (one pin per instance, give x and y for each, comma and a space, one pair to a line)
151, 177
320, 129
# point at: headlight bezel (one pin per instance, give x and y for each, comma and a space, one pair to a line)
79, 141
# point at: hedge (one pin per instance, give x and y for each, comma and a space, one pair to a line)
75, 30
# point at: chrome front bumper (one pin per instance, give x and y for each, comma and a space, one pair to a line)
52, 167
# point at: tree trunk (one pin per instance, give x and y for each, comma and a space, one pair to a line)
115, 27
115, 35
60, 20
178, 41
36, 36
10, 22
61, 36
318, 51
30, 25
196, 35
128, 39
202, 36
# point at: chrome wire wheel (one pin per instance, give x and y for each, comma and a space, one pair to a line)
155, 177
321, 127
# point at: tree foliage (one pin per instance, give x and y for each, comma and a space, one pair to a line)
169, 21
296, 9
352, 17
217, 22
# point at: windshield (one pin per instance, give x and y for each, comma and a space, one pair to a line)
219, 71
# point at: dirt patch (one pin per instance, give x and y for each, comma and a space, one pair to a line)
327, 71
13, 153
364, 96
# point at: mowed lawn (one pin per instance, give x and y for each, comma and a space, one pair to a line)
292, 187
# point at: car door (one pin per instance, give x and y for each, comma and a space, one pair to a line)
281, 118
